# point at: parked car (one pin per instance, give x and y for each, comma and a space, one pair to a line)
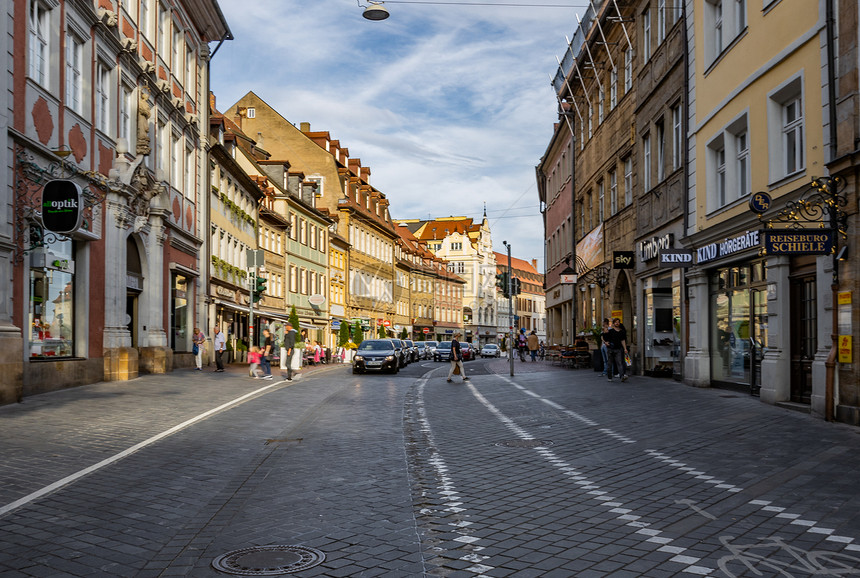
467, 351
401, 352
429, 349
376, 355
491, 350
414, 354
443, 351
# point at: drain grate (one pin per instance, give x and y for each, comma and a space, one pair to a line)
524, 443
268, 560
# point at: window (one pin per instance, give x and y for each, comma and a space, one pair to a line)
600, 201
718, 27
312, 236
293, 279
293, 228
646, 163
175, 161
725, 20
189, 172
785, 120
613, 192
601, 97
743, 164
792, 135
38, 43
740, 15
613, 88
303, 232
661, 21
74, 72
143, 23
628, 181
103, 87
189, 70
52, 304
661, 151
590, 210
176, 64
126, 113
720, 161
677, 137
590, 117
163, 31
646, 34
628, 70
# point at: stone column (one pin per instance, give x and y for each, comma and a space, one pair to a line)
155, 353
697, 362
120, 359
824, 305
776, 363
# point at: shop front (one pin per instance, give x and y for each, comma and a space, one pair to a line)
660, 268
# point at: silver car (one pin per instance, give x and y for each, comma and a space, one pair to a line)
491, 350
429, 349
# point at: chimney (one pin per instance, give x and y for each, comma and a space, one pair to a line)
534, 264
305, 127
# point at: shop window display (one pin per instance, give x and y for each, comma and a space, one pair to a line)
51, 313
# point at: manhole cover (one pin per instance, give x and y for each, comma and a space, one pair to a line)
524, 443
268, 560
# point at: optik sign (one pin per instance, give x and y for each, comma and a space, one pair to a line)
61, 206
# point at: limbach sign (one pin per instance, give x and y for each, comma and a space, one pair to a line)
61, 206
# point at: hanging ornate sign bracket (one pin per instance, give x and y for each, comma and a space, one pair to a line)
30, 179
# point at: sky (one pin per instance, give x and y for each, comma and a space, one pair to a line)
449, 103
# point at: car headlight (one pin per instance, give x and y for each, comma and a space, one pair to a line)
358, 358
389, 358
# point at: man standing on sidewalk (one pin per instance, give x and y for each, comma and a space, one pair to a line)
266, 352
219, 342
533, 344
289, 348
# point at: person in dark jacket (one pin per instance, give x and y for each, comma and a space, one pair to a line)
456, 358
616, 344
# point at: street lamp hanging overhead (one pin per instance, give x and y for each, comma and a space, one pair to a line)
376, 11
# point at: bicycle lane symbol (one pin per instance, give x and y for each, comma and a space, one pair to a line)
782, 559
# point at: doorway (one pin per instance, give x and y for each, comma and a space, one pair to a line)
804, 334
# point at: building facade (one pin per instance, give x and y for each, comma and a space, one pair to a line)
119, 113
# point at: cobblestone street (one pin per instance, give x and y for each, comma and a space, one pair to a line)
553, 472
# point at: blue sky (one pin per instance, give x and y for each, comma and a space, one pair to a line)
449, 105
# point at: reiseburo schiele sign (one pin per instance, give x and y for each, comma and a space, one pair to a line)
798, 242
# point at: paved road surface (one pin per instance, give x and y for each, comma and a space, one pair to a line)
553, 472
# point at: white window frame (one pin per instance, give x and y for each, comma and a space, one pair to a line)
742, 163
126, 114
661, 21
628, 180
646, 34
601, 98
104, 86
613, 88
646, 162
190, 171
39, 22
601, 194
677, 137
661, 151
74, 72
784, 130
628, 70
613, 192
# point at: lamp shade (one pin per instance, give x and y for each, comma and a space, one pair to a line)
375, 12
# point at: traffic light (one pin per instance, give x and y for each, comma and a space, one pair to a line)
515, 286
259, 288
502, 283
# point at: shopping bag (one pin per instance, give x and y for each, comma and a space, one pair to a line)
457, 369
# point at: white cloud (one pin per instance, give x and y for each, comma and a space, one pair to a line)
449, 106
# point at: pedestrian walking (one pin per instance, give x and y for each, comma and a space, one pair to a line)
533, 344
219, 342
265, 352
604, 349
254, 358
199, 340
521, 344
456, 359
617, 345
